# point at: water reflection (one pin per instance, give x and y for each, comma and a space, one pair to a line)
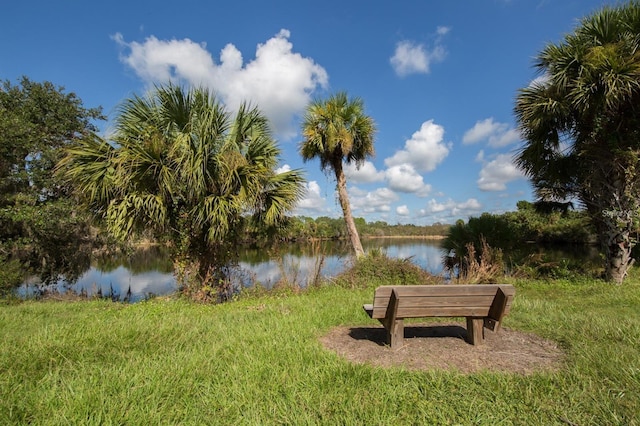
149, 272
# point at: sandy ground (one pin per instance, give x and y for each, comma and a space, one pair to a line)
436, 346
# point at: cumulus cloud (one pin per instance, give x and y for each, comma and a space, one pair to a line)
424, 151
313, 199
404, 178
410, 58
285, 168
542, 80
414, 58
496, 134
495, 174
278, 80
442, 31
451, 207
367, 173
375, 201
402, 210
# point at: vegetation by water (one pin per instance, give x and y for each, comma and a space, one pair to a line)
41, 229
258, 360
182, 168
506, 239
580, 127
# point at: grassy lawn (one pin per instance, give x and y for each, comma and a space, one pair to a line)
258, 361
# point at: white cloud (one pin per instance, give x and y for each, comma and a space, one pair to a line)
312, 199
415, 58
375, 201
495, 133
411, 58
480, 131
404, 178
495, 175
367, 173
504, 138
279, 81
442, 31
470, 204
285, 168
451, 207
424, 151
402, 210
542, 80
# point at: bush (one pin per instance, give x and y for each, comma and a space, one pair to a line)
376, 268
11, 275
509, 233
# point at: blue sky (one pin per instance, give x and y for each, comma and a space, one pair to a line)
439, 77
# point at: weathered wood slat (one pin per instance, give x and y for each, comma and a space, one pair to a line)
407, 301
445, 290
417, 312
450, 310
393, 324
368, 308
497, 310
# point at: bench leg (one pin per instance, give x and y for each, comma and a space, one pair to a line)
395, 334
475, 330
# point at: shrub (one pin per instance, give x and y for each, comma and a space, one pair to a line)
11, 275
376, 268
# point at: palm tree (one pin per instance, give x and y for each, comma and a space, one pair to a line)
183, 168
581, 123
337, 130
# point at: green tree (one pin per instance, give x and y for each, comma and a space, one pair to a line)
39, 226
581, 123
186, 170
337, 130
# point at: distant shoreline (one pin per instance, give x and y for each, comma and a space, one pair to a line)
416, 237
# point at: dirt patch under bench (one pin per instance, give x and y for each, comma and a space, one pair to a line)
438, 346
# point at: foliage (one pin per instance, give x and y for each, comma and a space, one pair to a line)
53, 238
259, 361
582, 128
185, 171
40, 227
376, 268
485, 267
11, 275
510, 231
337, 130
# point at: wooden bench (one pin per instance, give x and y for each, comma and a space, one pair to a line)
483, 306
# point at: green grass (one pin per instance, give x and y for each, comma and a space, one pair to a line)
258, 361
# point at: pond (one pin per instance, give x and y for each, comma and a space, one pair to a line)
149, 272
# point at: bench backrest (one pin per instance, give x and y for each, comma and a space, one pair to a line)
415, 301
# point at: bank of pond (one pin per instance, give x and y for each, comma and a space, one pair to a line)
148, 272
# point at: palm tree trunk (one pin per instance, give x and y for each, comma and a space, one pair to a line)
618, 264
617, 250
614, 210
346, 209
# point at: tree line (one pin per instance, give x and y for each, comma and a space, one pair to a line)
323, 227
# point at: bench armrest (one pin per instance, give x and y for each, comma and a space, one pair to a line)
496, 311
368, 308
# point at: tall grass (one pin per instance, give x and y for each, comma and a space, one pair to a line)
258, 361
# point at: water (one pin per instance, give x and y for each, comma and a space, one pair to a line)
149, 272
